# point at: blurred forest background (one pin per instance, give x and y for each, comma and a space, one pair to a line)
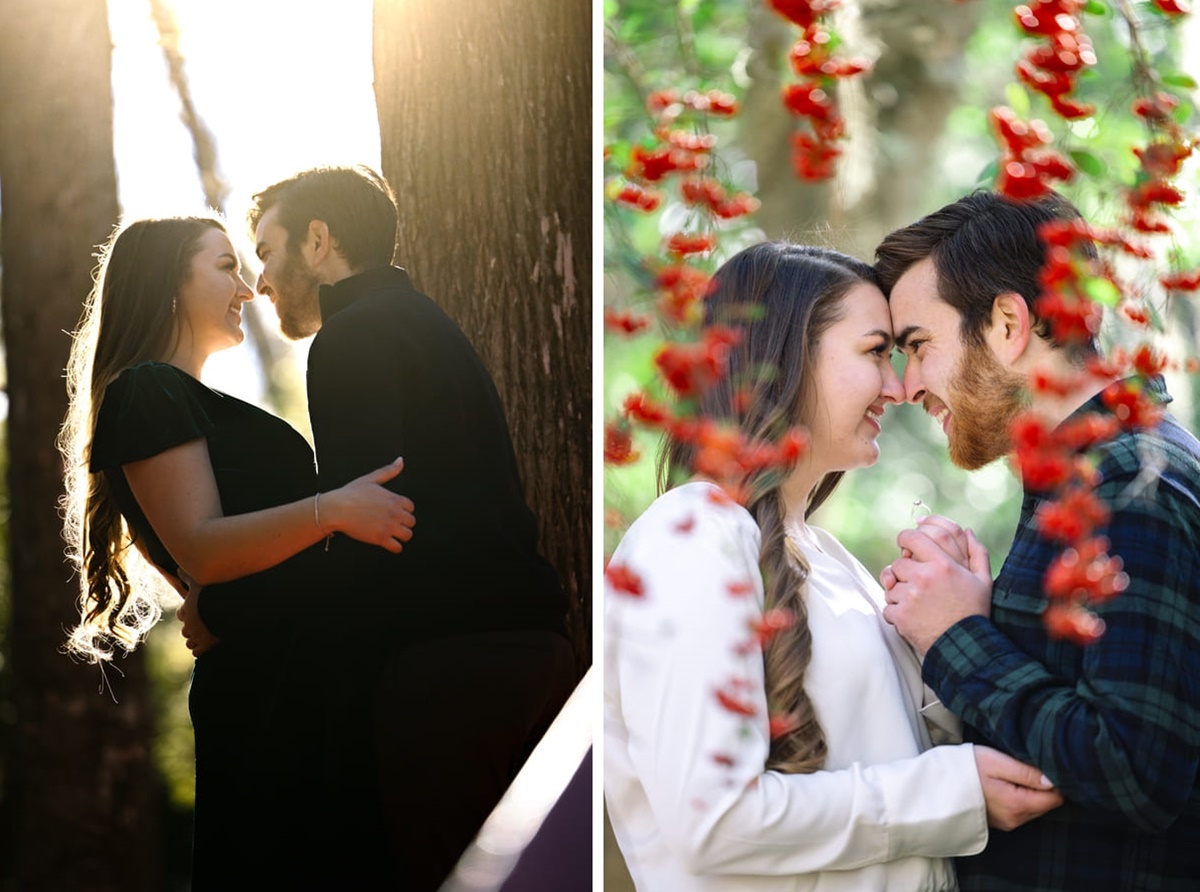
136, 108
917, 138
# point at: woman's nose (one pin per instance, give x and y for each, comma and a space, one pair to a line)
892, 390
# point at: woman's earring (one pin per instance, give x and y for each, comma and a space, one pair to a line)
174, 305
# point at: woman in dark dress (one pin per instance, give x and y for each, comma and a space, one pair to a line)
212, 489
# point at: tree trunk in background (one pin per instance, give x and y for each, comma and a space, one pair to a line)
485, 121
791, 209
895, 118
80, 787
913, 87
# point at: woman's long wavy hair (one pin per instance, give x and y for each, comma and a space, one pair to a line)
781, 298
129, 317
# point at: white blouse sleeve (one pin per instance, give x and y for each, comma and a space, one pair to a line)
693, 706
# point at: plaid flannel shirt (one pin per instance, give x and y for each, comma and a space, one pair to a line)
1116, 724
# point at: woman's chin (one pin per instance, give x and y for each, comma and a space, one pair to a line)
870, 456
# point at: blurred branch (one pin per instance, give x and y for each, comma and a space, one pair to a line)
216, 189
1141, 71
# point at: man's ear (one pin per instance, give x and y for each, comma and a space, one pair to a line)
1009, 331
317, 242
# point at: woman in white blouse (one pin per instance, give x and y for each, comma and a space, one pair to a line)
764, 727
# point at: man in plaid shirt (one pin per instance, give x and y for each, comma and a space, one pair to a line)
1114, 724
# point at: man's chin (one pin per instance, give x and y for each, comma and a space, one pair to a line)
297, 333
298, 325
972, 455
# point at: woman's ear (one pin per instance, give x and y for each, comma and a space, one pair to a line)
1009, 330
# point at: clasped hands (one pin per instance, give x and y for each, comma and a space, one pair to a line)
943, 575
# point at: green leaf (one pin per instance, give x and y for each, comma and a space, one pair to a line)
1186, 81
1102, 291
1088, 163
619, 153
987, 176
1156, 319
610, 9
1018, 100
1095, 7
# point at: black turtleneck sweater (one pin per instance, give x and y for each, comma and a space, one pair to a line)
390, 374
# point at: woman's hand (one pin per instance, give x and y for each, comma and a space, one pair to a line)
1013, 792
364, 510
195, 633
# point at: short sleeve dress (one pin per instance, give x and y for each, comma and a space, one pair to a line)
246, 698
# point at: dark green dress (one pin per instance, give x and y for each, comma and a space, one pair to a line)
254, 733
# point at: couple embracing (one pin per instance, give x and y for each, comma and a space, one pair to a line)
1079, 770
365, 686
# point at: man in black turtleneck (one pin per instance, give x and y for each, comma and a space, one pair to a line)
438, 668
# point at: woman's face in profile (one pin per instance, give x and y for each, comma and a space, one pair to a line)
210, 300
853, 381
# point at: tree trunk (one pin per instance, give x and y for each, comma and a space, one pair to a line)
485, 122
915, 84
80, 783
895, 119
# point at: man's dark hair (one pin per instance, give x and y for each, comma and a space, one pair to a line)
982, 245
356, 204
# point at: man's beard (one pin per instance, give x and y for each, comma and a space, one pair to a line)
297, 299
984, 398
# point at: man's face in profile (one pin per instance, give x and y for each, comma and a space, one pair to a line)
287, 279
963, 387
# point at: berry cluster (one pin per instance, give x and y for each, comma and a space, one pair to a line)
812, 98
1055, 462
1076, 285
1051, 66
1028, 167
680, 152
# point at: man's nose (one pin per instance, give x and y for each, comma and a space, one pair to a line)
914, 387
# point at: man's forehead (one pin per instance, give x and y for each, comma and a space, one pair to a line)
914, 297
267, 231
267, 220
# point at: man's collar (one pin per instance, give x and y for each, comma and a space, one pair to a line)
341, 294
1154, 385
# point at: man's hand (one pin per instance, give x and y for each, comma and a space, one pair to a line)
195, 633
934, 583
1012, 791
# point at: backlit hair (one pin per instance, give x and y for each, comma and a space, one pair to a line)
356, 204
127, 318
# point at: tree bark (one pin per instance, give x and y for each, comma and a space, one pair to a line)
485, 122
80, 783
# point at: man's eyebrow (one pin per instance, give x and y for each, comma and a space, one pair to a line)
903, 337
